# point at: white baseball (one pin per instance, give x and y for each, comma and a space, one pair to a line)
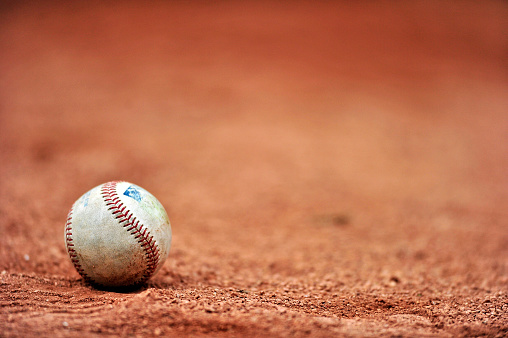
117, 234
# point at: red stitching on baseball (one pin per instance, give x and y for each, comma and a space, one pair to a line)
132, 225
70, 247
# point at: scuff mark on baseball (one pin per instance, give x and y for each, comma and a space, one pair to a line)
117, 235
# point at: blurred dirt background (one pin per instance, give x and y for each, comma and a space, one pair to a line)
329, 168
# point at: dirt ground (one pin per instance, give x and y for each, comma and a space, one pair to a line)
329, 169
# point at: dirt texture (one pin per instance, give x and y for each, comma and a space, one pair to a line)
329, 168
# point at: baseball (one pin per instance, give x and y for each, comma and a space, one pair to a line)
117, 234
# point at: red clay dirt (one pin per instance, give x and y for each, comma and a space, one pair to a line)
329, 168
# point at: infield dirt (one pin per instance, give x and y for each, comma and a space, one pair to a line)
329, 168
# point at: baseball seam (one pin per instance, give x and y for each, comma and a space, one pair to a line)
127, 219
70, 247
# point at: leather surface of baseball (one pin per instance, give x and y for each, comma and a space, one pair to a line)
117, 234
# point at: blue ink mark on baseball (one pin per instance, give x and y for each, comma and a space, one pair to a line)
85, 202
134, 193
